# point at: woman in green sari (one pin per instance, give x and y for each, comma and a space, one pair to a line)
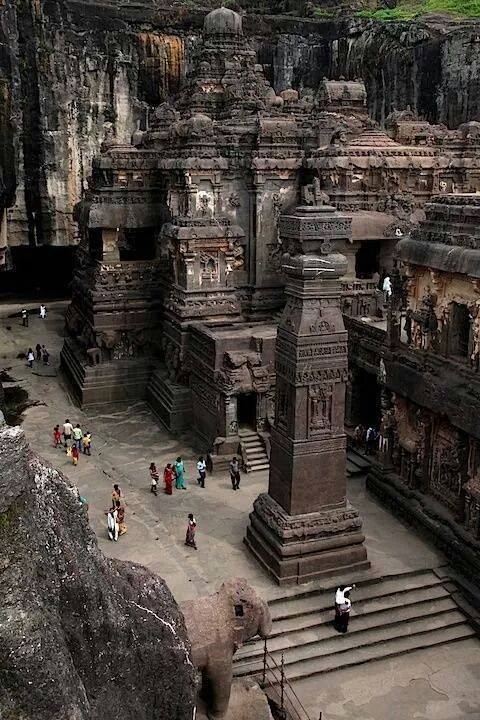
179, 468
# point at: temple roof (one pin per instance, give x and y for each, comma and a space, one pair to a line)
449, 238
335, 91
372, 225
373, 138
223, 21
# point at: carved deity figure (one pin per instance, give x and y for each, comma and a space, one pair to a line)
320, 408
313, 195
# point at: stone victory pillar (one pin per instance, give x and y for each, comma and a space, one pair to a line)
305, 527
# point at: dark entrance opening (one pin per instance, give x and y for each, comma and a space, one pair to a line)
366, 408
247, 410
459, 331
367, 259
39, 273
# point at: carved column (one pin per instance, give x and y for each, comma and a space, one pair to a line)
304, 527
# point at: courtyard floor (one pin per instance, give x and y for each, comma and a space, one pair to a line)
437, 683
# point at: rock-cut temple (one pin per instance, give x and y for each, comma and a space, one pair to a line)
180, 275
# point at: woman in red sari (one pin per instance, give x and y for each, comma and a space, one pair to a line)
168, 477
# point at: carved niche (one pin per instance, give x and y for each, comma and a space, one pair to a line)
319, 409
282, 404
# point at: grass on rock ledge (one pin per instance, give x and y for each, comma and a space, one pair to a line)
410, 9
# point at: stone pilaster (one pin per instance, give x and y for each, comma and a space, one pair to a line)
304, 527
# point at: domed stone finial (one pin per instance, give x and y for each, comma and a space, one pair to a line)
223, 21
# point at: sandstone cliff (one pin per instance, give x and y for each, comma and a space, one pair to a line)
73, 72
81, 637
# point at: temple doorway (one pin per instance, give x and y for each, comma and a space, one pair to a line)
367, 259
366, 408
247, 410
459, 331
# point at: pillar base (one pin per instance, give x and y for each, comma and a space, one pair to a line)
296, 549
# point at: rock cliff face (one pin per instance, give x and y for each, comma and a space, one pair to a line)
74, 73
81, 637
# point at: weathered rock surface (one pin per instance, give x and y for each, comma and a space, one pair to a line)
81, 637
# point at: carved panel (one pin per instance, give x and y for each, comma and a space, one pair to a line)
319, 409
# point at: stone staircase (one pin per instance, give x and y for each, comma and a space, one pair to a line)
254, 453
390, 616
357, 464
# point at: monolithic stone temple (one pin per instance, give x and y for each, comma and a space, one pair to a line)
178, 285
241, 234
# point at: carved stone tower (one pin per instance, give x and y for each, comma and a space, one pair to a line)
304, 527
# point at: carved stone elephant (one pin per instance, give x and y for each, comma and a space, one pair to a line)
217, 626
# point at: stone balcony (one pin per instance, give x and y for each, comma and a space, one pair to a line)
361, 298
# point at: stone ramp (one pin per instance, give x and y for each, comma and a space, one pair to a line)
390, 616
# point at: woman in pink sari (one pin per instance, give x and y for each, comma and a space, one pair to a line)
191, 530
168, 478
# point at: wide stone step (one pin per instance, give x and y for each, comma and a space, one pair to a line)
257, 454
261, 466
286, 607
247, 434
333, 651
353, 469
369, 613
401, 645
358, 460
250, 444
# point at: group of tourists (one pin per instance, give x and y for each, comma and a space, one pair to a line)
42, 313
41, 353
116, 515
366, 439
116, 524
173, 474
73, 440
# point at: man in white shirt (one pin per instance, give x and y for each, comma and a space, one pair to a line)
202, 471
67, 432
342, 602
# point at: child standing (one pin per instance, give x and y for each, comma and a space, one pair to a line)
154, 478
57, 436
75, 454
86, 444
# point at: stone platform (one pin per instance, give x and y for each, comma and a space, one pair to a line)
299, 548
428, 517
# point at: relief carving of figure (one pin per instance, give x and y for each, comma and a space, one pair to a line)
320, 399
313, 195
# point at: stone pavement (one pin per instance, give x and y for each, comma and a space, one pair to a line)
126, 440
440, 683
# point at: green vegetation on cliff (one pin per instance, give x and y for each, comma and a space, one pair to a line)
410, 9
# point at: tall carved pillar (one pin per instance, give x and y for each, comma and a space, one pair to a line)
304, 527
